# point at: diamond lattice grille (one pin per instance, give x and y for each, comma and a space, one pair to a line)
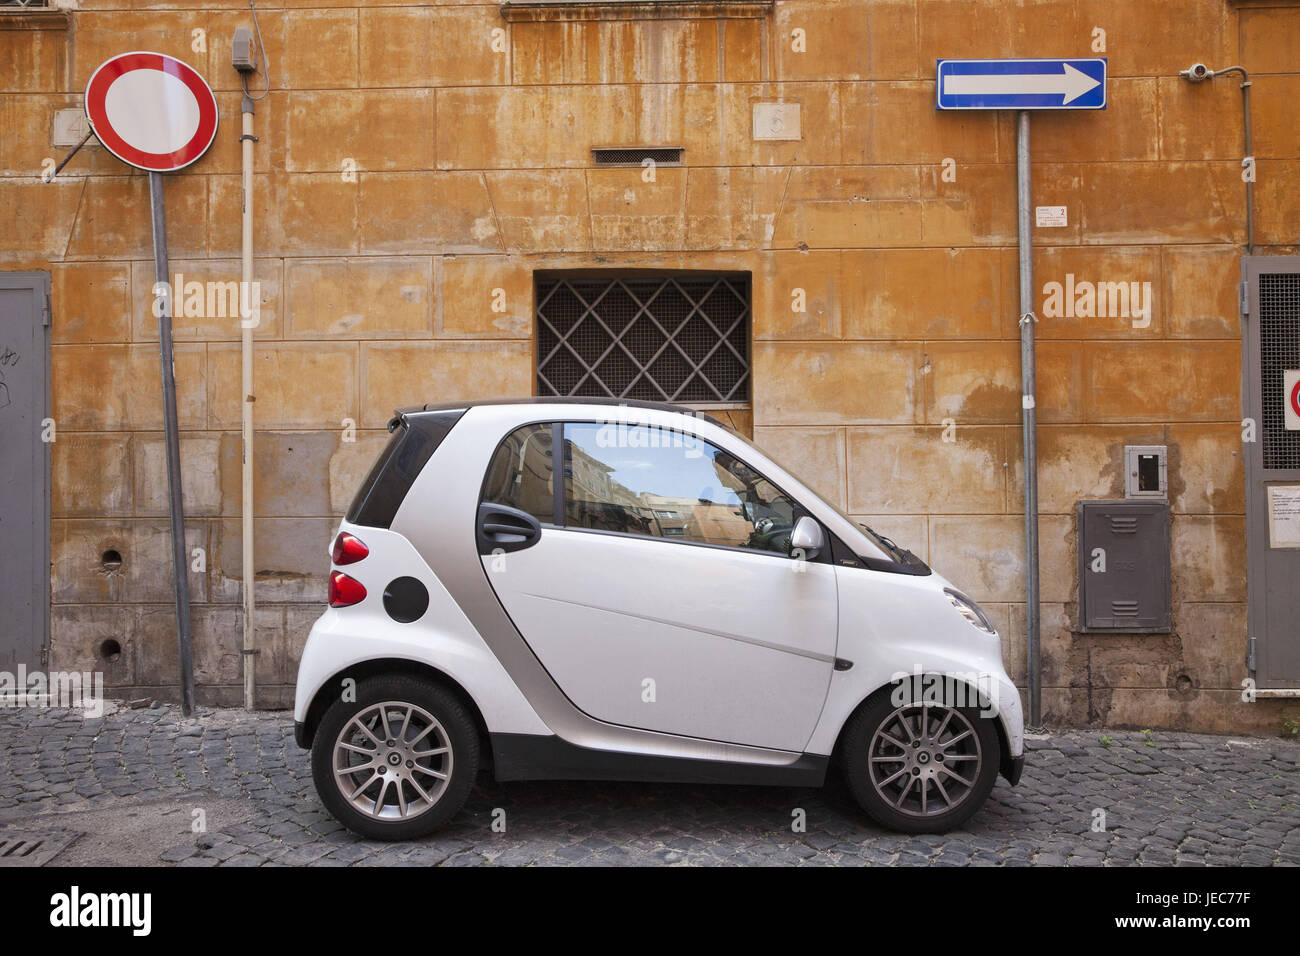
682, 338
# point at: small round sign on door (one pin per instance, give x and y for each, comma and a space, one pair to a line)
151, 110
1291, 394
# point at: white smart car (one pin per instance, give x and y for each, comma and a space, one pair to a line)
579, 589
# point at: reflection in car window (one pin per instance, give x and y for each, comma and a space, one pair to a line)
885, 551
654, 481
521, 473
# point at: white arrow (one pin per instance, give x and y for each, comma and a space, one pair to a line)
1070, 83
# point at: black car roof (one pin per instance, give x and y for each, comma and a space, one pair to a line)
559, 400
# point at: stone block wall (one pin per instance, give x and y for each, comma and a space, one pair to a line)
414, 159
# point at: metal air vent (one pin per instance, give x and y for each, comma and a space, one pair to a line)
637, 155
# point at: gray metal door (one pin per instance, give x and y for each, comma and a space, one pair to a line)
24, 469
1271, 347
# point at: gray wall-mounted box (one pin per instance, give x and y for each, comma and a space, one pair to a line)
1124, 566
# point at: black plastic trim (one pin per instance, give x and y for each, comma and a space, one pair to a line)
557, 476
416, 436
565, 400
547, 757
1012, 768
845, 557
502, 528
406, 599
300, 735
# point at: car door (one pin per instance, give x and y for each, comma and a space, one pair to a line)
655, 583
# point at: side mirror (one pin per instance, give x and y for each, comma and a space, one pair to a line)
807, 539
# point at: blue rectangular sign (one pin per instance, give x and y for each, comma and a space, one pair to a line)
1053, 84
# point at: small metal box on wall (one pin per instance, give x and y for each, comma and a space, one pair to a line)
1124, 566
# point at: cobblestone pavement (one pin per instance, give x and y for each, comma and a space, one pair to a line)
1168, 799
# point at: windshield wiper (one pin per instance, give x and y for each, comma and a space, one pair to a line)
898, 553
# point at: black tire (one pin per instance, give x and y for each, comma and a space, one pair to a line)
880, 715
379, 698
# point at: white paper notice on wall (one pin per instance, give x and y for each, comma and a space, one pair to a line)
1291, 395
1050, 217
1284, 516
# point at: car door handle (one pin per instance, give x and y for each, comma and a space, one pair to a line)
496, 527
502, 528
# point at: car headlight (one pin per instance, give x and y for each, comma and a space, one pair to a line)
970, 611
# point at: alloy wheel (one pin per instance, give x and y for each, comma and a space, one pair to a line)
392, 761
925, 759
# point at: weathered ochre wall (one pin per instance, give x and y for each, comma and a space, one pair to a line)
473, 168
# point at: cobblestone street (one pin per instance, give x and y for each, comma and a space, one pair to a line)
127, 787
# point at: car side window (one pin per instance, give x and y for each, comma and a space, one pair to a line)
521, 473
666, 484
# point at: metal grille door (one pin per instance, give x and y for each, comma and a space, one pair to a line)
1279, 350
1271, 347
678, 338
24, 469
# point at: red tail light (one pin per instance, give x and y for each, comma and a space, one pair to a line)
348, 549
345, 591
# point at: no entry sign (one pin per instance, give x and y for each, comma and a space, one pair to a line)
151, 110
1291, 395
156, 113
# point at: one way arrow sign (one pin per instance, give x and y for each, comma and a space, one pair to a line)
1021, 84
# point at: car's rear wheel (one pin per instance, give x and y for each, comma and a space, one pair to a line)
918, 766
397, 762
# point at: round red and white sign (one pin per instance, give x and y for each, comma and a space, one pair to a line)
1291, 394
151, 110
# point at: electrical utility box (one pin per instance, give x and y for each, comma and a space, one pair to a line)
1124, 566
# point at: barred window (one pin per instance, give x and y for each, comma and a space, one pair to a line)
681, 337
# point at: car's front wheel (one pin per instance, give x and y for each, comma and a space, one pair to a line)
398, 761
917, 766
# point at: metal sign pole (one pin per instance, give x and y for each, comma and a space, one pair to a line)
1028, 402
1022, 85
173, 439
